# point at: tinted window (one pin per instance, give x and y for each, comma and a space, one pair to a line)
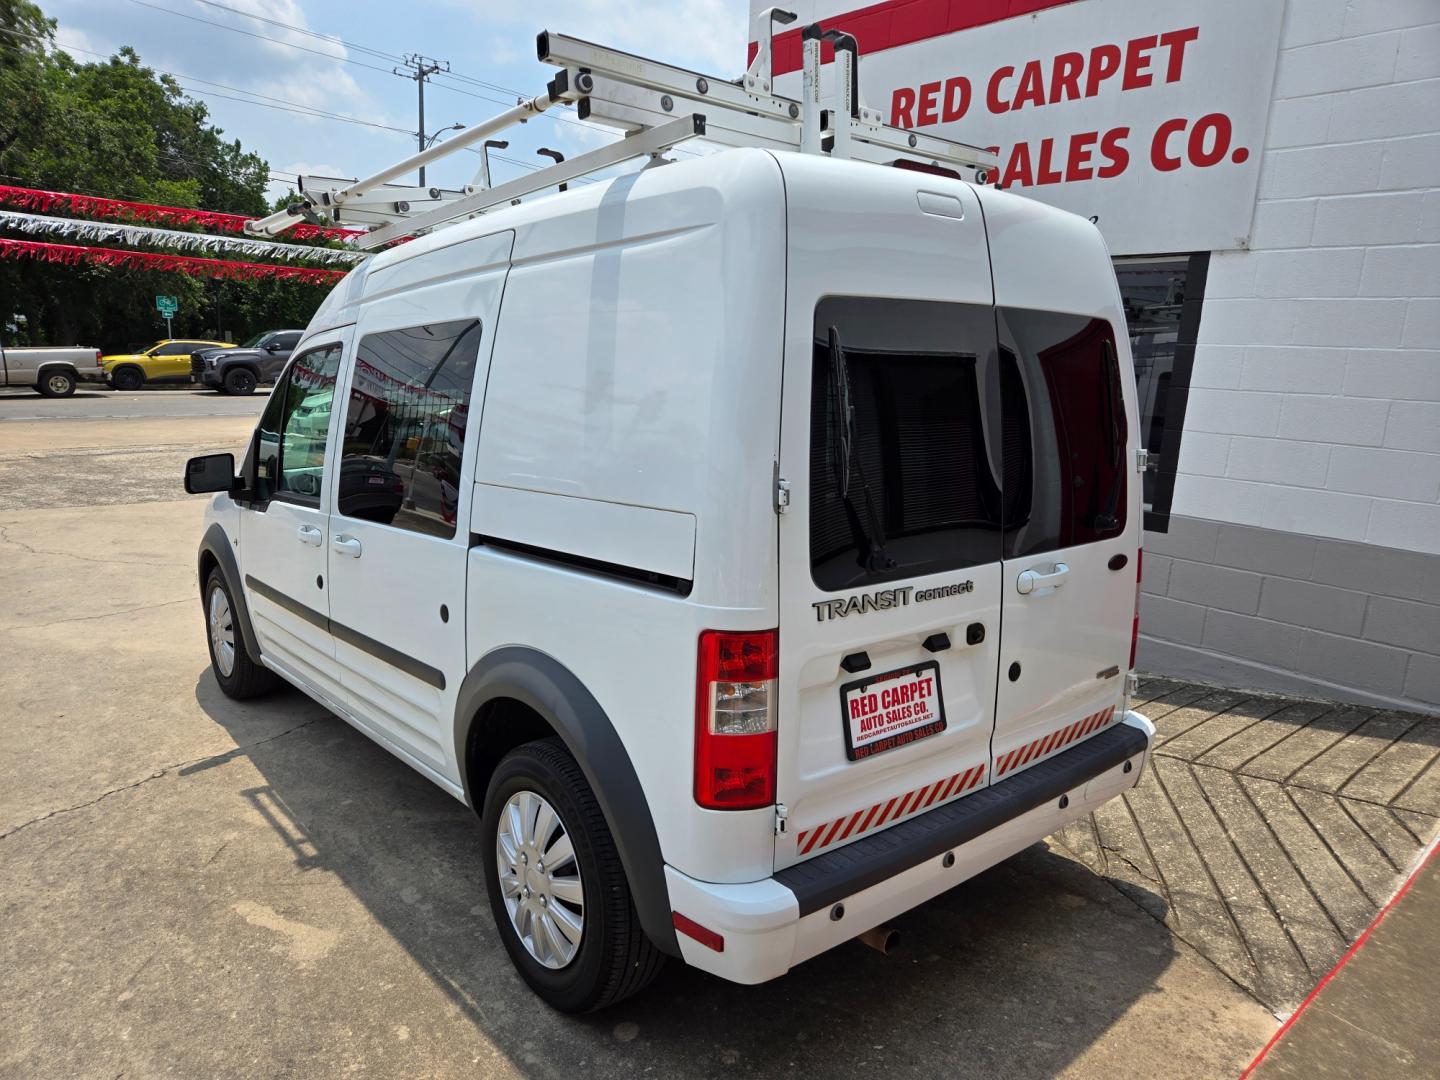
287, 341
1064, 431
901, 483
177, 348
405, 426
290, 456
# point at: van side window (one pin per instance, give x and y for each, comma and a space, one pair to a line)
1065, 433
901, 480
405, 426
292, 432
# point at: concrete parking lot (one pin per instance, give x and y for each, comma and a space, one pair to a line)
196, 887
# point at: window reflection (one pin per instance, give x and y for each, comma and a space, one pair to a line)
405, 426
1065, 431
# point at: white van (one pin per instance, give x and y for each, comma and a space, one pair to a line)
753, 542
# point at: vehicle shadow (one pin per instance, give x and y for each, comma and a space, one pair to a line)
1014, 973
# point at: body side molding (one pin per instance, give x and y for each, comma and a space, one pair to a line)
544, 685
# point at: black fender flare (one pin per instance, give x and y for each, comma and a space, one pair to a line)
216, 543
551, 690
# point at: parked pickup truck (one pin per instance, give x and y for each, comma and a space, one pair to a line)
52, 372
239, 371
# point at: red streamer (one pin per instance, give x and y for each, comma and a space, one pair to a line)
72, 255
123, 210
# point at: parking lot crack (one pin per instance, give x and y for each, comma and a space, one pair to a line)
183, 768
104, 614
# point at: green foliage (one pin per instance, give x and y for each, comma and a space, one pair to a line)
117, 129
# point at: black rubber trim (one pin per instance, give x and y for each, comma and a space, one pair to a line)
289, 603
832, 877
216, 543
432, 676
631, 575
553, 691
394, 657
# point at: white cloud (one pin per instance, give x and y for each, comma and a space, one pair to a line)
710, 35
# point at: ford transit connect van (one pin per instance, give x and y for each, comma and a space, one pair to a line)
753, 542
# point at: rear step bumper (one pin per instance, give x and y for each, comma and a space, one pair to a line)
770, 926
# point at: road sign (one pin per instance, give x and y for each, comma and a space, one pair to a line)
167, 306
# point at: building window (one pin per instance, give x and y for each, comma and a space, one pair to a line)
1162, 297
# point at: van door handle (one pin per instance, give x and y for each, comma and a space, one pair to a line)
309, 534
346, 545
1031, 580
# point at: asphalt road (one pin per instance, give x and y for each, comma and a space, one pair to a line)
94, 402
191, 886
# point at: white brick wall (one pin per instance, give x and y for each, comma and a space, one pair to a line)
1315, 397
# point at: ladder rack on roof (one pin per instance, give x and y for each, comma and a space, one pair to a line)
657, 106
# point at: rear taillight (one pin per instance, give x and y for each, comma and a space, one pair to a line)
735, 719
98, 355
1135, 624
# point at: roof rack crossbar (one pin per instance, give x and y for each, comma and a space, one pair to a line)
657, 106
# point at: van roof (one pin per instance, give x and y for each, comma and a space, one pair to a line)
728, 172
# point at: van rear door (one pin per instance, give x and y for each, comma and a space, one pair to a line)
890, 550
1073, 517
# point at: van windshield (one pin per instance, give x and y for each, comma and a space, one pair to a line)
901, 481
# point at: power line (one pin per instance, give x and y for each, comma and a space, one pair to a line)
260, 37
394, 57
348, 59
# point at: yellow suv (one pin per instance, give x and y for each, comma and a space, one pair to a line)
165, 361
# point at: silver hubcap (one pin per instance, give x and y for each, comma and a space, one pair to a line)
59, 384
222, 632
540, 879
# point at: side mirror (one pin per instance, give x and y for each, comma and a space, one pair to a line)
274, 346
213, 472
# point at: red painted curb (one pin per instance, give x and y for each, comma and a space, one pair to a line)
1350, 952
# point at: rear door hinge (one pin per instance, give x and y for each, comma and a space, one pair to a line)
782, 813
1142, 460
782, 494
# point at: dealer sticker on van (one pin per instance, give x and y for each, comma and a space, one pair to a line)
892, 709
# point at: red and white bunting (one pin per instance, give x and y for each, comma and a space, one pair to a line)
72, 255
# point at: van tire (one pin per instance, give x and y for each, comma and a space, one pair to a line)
56, 384
246, 679
240, 381
127, 377
615, 959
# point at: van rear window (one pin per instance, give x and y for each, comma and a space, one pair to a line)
901, 482
1065, 431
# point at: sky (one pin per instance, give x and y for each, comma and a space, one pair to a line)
263, 82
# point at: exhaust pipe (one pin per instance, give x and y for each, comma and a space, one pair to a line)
883, 939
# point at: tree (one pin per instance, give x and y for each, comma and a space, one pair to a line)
118, 129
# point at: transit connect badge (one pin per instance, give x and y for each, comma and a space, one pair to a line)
885, 599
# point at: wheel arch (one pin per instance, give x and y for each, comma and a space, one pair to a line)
546, 688
216, 551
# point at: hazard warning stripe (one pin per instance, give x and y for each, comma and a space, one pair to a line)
1046, 744
886, 811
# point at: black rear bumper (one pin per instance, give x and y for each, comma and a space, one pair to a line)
831, 877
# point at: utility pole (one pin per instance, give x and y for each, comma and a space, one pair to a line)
420, 68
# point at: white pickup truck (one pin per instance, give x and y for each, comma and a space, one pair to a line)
52, 372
